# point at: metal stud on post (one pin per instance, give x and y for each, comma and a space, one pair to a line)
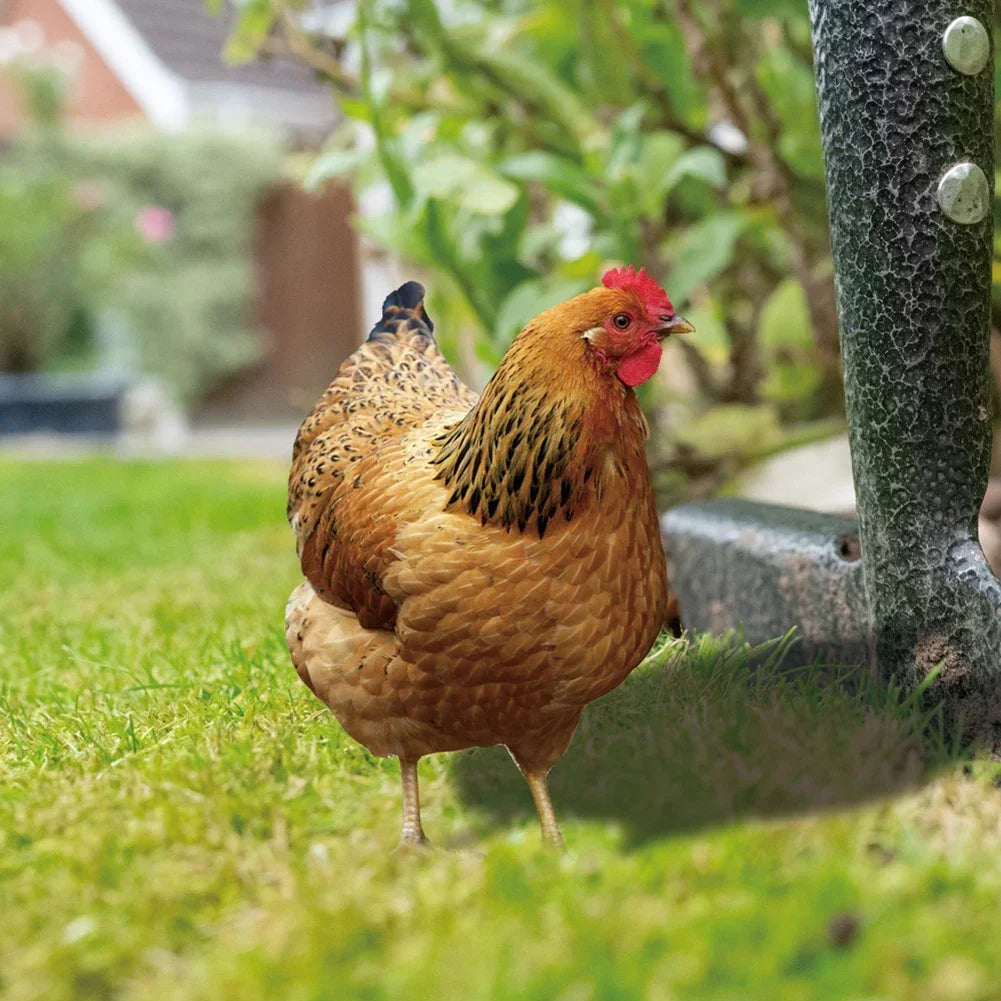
966, 45
964, 193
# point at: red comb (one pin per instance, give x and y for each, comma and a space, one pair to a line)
629, 279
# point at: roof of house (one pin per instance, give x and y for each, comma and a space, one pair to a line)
189, 41
169, 54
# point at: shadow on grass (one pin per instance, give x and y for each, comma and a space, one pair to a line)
697, 737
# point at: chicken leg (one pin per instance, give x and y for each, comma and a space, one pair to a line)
412, 832
537, 783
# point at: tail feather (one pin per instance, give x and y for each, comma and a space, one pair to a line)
405, 303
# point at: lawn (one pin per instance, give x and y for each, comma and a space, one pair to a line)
180, 819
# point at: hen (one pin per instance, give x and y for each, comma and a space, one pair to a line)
479, 569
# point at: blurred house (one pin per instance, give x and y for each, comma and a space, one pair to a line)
160, 61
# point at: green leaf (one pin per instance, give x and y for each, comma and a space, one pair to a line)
710, 330
790, 87
253, 23
487, 194
464, 182
510, 72
731, 429
703, 162
629, 120
668, 56
785, 319
529, 299
703, 251
787, 382
626, 141
335, 163
760, 9
662, 162
559, 102
601, 72
356, 108
557, 174
651, 174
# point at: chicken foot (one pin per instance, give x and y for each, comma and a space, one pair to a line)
412, 832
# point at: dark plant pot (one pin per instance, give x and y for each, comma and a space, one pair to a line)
65, 404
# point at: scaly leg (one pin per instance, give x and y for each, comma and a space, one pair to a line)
412, 833
551, 836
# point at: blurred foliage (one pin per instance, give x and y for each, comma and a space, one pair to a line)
518, 148
189, 301
130, 249
51, 263
513, 149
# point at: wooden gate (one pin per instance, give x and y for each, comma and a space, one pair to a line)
308, 306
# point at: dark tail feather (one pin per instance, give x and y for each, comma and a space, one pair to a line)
406, 303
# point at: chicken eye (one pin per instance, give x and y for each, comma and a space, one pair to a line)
622, 320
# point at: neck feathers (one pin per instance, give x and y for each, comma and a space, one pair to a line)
535, 452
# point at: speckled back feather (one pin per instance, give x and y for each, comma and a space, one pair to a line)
393, 383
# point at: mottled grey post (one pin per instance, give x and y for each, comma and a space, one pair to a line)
913, 297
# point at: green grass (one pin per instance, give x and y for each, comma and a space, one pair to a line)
179, 819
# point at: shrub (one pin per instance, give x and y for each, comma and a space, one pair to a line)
132, 244
527, 145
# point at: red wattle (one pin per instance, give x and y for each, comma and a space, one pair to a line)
636, 368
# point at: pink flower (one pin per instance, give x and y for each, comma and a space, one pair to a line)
155, 224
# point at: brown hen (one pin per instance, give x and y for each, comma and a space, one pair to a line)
479, 570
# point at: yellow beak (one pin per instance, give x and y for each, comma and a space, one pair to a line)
673, 325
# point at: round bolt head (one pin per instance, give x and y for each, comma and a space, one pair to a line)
964, 194
966, 45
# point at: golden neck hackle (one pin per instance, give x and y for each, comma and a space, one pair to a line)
552, 430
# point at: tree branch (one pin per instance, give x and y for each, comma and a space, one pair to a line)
747, 105
295, 43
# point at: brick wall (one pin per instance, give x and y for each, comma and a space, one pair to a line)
98, 95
